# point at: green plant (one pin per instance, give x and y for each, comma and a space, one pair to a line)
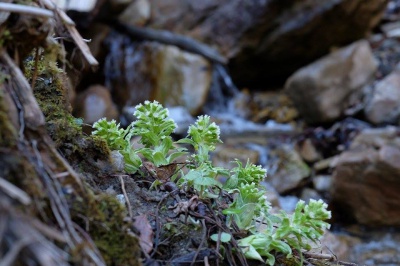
285, 232
250, 202
249, 209
118, 139
155, 127
245, 175
204, 135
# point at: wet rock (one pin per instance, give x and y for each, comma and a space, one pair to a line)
151, 71
287, 169
366, 180
379, 249
95, 103
384, 106
323, 90
259, 36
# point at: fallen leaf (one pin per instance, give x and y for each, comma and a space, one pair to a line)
141, 223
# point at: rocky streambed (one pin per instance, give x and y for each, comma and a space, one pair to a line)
314, 97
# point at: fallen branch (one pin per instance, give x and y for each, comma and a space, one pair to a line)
166, 37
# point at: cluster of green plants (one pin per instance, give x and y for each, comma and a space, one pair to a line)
250, 210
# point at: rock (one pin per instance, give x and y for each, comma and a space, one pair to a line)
288, 203
322, 91
322, 183
273, 105
341, 245
95, 103
259, 36
379, 249
151, 71
308, 151
290, 169
309, 193
137, 13
384, 106
182, 118
376, 138
272, 194
77, 5
366, 181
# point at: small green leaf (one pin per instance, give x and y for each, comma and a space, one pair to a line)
225, 237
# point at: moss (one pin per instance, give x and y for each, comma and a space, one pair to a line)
105, 224
7, 131
85, 153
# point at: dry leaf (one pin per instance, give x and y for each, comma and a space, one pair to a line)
146, 232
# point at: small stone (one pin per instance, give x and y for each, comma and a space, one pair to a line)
95, 103
121, 198
291, 169
308, 151
322, 183
309, 193
384, 106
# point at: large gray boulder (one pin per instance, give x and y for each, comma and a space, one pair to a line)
323, 90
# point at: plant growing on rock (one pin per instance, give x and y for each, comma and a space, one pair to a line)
249, 210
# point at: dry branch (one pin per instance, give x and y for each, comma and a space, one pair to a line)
166, 37
24, 9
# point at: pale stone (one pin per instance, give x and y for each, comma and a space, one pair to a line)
384, 106
95, 103
290, 169
323, 90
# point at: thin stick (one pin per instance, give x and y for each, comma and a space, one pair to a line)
201, 243
35, 72
70, 26
24, 9
14, 192
126, 197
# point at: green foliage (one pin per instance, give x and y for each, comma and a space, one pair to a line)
245, 175
288, 231
203, 136
249, 210
118, 139
250, 202
155, 127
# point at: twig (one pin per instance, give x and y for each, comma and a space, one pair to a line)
126, 196
70, 26
9, 258
157, 233
24, 9
35, 72
201, 243
14, 192
319, 256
